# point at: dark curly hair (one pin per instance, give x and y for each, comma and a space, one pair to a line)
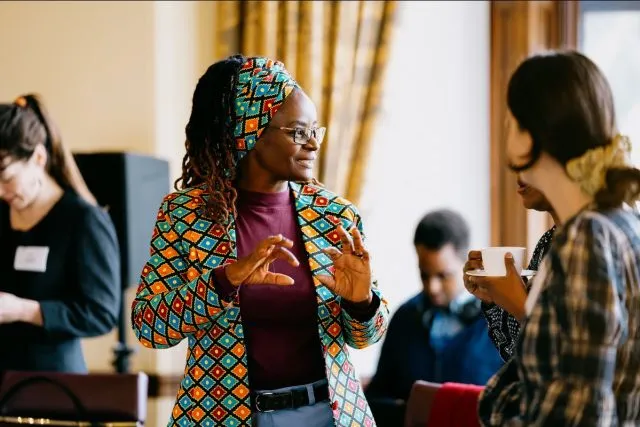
209, 159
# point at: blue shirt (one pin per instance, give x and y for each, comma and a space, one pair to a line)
436, 345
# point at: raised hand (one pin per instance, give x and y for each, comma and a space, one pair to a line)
352, 270
254, 268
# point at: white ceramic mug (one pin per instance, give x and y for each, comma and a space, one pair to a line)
493, 259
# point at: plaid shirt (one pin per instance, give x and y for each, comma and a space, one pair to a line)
577, 360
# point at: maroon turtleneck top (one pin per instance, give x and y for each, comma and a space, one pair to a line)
279, 322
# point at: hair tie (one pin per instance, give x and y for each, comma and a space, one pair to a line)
590, 169
21, 102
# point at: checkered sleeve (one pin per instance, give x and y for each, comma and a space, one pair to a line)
362, 333
173, 298
581, 318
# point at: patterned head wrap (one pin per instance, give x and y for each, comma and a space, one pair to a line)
262, 86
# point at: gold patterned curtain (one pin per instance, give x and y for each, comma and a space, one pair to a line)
337, 51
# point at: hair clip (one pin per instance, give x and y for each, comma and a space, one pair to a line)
21, 102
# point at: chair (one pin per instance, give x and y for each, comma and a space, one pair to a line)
53, 398
419, 403
442, 405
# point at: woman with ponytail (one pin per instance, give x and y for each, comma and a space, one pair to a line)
59, 258
577, 359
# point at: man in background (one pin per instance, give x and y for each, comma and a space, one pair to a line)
440, 334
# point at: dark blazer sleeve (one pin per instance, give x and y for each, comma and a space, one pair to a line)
93, 308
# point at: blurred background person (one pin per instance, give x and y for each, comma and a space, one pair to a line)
59, 257
439, 335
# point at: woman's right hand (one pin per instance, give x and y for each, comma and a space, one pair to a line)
474, 262
254, 268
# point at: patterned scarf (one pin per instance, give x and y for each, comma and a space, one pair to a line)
261, 88
543, 246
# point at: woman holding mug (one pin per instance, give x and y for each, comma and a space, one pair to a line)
577, 359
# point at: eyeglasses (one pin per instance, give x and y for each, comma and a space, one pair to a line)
302, 136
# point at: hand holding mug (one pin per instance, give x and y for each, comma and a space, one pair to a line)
509, 292
474, 262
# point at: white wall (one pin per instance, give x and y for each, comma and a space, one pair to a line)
96, 81
431, 149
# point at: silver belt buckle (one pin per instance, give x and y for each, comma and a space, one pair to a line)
258, 396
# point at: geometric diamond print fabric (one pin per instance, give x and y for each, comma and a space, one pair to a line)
177, 300
261, 88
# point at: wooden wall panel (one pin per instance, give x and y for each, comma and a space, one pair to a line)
518, 29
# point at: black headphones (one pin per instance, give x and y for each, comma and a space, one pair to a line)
468, 312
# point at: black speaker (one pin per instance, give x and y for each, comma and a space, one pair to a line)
131, 187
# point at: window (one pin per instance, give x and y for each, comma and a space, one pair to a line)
610, 35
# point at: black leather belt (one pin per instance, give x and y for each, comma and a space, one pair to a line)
269, 402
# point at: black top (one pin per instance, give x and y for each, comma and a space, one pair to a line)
79, 293
504, 329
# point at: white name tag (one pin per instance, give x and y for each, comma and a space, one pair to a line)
31, 258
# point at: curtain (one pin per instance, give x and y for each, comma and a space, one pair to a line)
337, 51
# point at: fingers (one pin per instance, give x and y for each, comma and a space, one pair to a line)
476, 255
474, 261
333, 253
352, 244
473, 264
345, 238
266, 246
328, 281
277, 279
510, 265
476, 286
283, 254
358, 244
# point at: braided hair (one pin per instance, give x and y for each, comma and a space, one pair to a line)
209, 157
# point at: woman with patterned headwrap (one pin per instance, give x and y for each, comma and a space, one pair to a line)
261, 269
577, 359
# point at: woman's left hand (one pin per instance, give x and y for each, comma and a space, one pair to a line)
352, 276
14, 309
509, 292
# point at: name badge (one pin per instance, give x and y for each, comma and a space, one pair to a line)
31, 258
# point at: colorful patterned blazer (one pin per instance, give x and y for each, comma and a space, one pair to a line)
177, 299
